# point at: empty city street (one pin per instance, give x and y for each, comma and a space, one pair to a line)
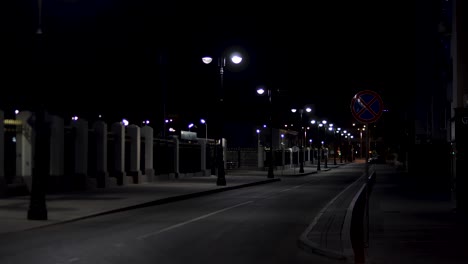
256, 224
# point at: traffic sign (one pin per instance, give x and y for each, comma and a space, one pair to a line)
367, 106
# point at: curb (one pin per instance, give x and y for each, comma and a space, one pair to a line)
157, 202
347, 254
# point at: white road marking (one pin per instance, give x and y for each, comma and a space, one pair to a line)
190, 221
292, 188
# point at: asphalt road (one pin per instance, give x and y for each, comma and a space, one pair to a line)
257, 224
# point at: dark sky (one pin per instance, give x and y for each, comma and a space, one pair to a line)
137, 55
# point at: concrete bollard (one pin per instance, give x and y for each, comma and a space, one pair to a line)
134, 170
81, 179
203, 152
57, 153
118, 168
147, 133
291, 164
176, 157
260, 157
24, 148
102, 173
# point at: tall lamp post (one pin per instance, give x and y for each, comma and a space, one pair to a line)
261, 91
203, 121
236, 59
337, 132
311, 155
325, 157
331, 128
313, 122
361, 130
345, 135
258, 138
340, 133
37, 204
302, 141
212, 167
260, 156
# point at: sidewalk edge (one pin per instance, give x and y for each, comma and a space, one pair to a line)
153, 203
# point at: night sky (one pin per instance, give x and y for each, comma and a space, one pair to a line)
139, 59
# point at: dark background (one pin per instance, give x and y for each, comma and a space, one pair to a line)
142, 59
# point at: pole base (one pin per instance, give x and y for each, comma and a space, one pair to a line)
270, 172
221, 181
37, 214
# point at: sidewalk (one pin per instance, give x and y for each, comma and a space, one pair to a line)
73, 206
411, 225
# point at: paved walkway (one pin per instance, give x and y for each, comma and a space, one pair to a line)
410, 224
72, 206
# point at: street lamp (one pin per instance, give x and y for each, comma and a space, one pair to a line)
302, 141
213, 170
258, 137
320, 153
311, 155
345, 136
331, 129
261, 91
260, 150
236, 58
340, 134
313, 122
203, 121
361, 130
190, 126
325, 157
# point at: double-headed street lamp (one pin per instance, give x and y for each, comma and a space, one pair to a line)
324, 152
262, 91
361, 147
320, 143
235, 58
313, 122
302, 140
